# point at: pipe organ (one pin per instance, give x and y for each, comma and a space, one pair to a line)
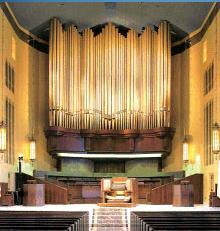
109, 81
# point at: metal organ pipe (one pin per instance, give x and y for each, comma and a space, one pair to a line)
109, 81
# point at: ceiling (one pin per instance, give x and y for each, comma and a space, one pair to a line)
185, 17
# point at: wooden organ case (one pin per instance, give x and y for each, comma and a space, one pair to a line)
109, 92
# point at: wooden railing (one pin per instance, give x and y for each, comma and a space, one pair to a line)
164, 194
54, 193
78, 185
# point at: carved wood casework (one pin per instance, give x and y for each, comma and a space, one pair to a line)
104, 141
109, 92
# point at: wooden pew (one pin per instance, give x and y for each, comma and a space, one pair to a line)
141, 221
17, 220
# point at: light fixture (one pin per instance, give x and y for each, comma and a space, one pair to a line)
3, 142
215, 138
111, 155
185, 149
32, 149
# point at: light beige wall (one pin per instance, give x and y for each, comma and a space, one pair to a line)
188, 103
30, 99
213, 43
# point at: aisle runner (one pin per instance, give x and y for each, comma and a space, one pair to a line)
109, 219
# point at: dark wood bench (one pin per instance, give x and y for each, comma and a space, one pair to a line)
149, 221
26, 220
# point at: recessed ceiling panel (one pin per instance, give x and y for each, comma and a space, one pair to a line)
187, 16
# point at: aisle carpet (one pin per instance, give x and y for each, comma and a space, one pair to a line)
109, 219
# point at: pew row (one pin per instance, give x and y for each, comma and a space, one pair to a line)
198, 220
26, 220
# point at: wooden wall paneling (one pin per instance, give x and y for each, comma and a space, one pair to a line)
69, 140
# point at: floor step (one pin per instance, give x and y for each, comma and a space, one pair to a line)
109, 219
109, 229
107, 216
118, 221
109, 225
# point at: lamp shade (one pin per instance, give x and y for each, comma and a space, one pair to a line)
215, 139
3, 141
20, 157
185, 151
32, 150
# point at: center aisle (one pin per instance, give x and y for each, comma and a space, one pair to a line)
109, 219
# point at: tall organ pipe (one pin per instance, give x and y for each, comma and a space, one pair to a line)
109, 81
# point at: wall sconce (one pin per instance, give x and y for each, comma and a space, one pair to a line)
215, 138
32, 149
185, 149
3, 141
